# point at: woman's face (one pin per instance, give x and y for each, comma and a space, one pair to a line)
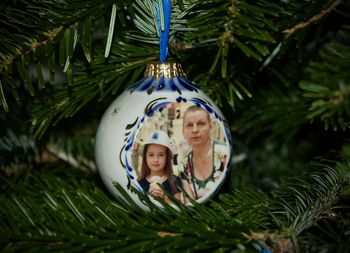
197, 128
156, 157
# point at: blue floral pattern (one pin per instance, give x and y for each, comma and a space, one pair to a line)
176, 84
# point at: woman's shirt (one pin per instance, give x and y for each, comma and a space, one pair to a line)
201, 187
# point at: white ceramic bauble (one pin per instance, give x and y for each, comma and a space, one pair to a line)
157, 102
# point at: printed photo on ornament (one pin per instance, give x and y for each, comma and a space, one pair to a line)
180, 149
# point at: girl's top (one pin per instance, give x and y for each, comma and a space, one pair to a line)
202, 187
145, 184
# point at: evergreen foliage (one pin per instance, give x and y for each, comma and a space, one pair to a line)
278, 70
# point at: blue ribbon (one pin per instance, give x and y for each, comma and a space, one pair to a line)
164, 34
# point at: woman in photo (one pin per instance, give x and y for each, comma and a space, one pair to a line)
205, 162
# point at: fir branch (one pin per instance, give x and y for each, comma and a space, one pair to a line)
277, 111
329, 234
20, 151
17, 152
299, 204
71, 213
65, 14
304, 201
64, 209
72, 151
92, 81
327, 84
34, 44
290, 31
48, 205
249, 206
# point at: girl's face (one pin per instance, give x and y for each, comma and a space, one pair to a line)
156, 157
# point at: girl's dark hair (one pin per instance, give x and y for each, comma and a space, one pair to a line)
145, 171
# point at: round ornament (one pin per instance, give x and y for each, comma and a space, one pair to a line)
163, 137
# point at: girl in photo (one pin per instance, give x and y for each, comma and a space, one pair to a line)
156, 168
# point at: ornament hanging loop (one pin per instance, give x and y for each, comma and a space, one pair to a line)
164, 27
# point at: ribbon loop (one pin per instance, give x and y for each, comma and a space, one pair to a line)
164, 30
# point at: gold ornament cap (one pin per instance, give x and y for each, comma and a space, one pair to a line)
166, 69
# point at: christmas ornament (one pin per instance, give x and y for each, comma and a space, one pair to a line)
163, 135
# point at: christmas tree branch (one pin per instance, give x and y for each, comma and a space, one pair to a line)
328, 98
68, 210
313, 19
51, 35
66, 15
76, 215
304, 201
